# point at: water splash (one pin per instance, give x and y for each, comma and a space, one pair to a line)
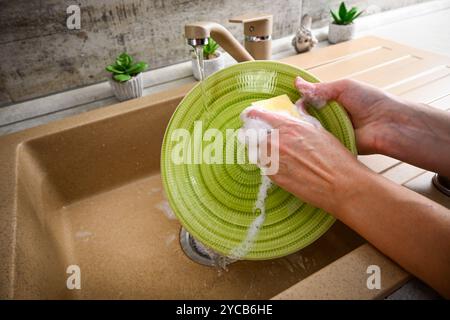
170, 239
165, 208
260, 207
220, 262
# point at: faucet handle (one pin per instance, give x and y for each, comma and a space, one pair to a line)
255, 25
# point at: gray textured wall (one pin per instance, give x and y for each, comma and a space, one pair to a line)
40, 56
320, 9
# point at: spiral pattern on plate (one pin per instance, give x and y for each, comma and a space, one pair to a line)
215, 202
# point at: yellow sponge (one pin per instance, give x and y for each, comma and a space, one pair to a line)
278, 104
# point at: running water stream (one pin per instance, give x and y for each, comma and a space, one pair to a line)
246, 245
198, 51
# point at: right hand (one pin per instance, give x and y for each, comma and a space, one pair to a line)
371, 110
312, 164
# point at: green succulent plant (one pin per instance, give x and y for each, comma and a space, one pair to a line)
344, 16
209, 50
124, 68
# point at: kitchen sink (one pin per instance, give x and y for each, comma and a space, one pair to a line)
85, 193
91, 196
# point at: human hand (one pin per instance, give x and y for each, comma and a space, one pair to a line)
372, 111
313, 164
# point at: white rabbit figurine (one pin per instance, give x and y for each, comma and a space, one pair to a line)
304, 40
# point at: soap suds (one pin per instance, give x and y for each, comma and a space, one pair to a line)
220, 261
260, 126
260, 129
166, 209
252, 134
310, 94
313, 100
305, 116
153, 191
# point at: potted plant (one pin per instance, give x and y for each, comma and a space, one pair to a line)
213, 60
343, 28
126, 79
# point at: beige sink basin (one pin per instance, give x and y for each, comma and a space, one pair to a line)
87, 191
91, 196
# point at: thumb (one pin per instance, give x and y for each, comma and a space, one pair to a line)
317, 94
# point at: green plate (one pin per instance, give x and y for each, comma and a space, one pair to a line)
215, 202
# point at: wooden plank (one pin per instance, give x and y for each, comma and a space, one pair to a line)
415, 74
397, 71
378, 162
334, 53
355, 64
441, 103
402, 173
437, 86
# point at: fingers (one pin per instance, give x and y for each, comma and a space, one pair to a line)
317, 94
304, 86
311, 95
276, 120
302, 108
273, 119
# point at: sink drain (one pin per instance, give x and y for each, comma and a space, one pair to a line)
197, 252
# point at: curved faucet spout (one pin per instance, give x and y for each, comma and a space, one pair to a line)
197, 32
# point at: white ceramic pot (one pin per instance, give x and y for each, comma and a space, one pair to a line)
339, 33
128, 90
210, 65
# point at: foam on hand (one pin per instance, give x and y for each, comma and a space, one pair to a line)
251, 126
279, 105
